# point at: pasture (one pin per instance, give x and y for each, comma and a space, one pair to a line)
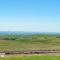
12, 42
29, 42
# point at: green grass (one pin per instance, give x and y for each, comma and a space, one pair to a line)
32, 58
31, 42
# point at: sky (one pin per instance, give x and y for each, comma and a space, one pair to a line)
30, 15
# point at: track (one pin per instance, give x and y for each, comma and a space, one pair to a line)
31, 52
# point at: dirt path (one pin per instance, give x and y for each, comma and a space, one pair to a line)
31, 52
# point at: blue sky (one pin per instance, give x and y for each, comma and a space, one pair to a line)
30, 15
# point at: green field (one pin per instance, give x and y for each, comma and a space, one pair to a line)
32, 58
29, 42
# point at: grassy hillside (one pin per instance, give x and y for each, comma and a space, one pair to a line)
29, 42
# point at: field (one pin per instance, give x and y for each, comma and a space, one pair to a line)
44, 57
29, 42
32, 42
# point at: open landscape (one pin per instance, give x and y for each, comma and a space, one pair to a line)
31, 46
22, 42
29, 29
